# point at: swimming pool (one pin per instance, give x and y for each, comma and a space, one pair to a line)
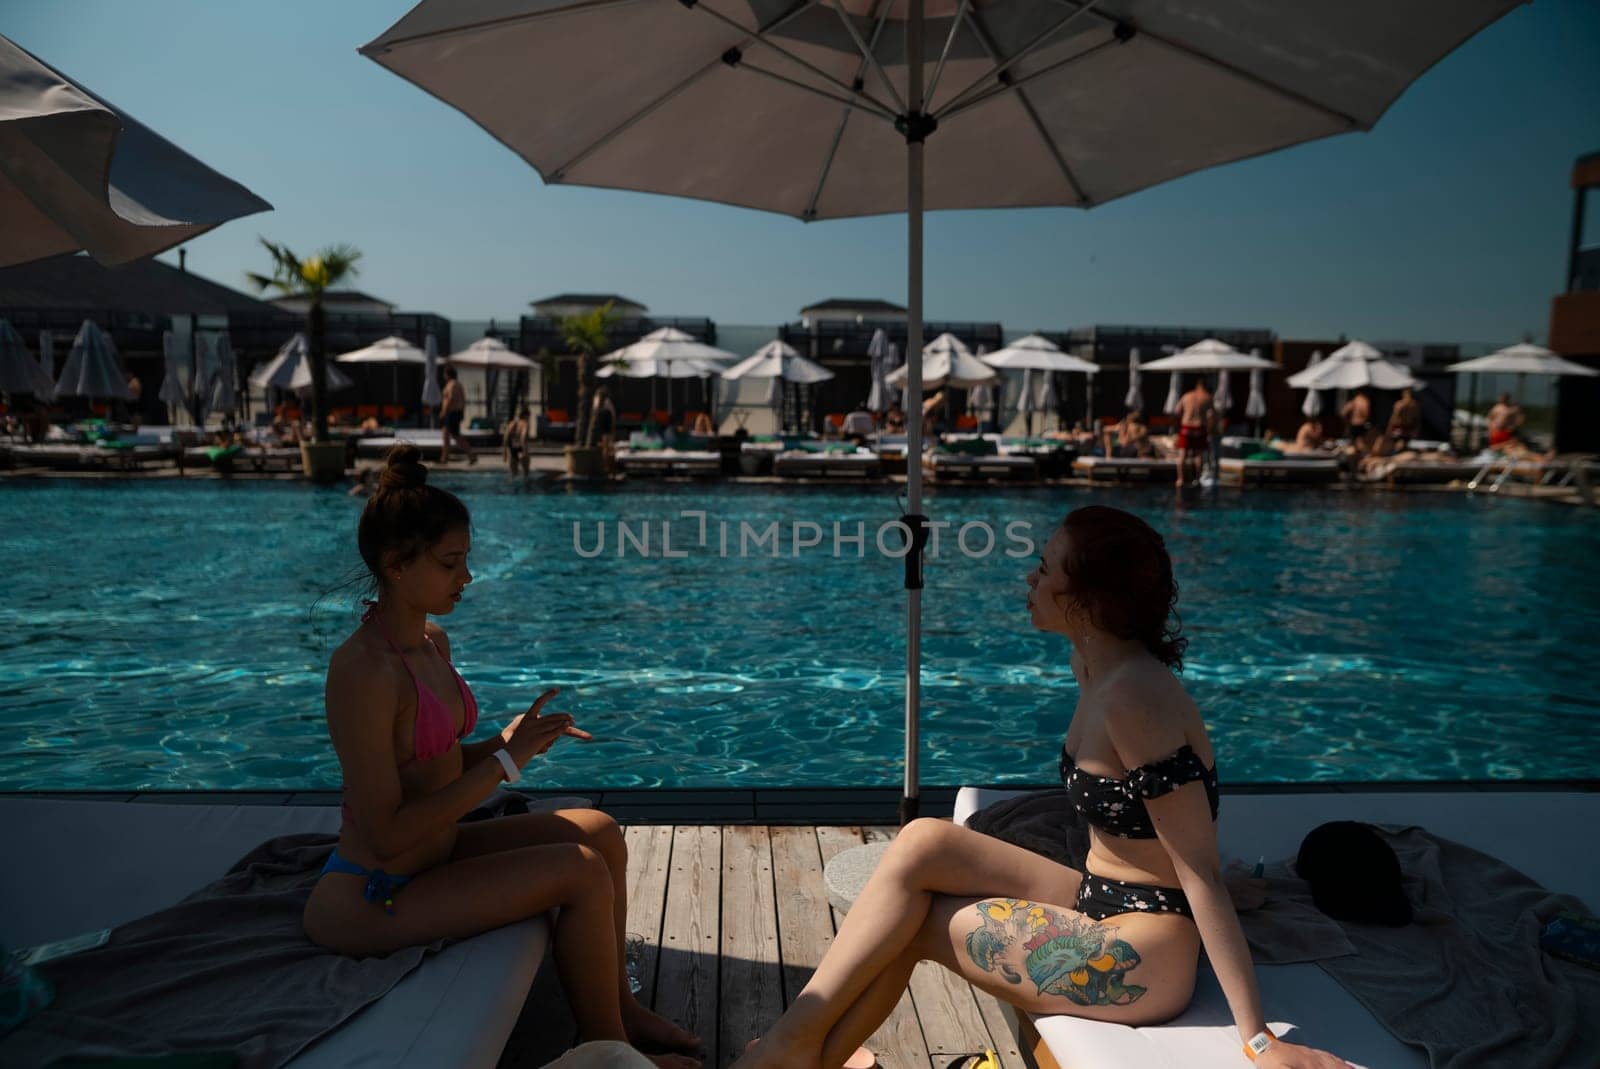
168, 635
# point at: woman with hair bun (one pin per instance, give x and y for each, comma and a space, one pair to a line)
405, 872
1119, 941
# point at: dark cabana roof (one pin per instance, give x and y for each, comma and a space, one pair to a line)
149, 286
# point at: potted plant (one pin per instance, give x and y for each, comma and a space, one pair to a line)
587, 336
322, 460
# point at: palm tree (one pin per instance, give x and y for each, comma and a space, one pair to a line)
588, 336
312, 278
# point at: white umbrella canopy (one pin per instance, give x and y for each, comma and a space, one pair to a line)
660, 369
1312, 405
1174, 394
225, 378
665, 346
795, 107
1039, 354
877, 354
81, 174
486, 353
172, 392
1222, 400
91, 369
1351, 367
20, 373
291, 370
1524, 358
1209, 355
1255, 407
778, 360
391, 350
1134, 399
431, 394
947, 362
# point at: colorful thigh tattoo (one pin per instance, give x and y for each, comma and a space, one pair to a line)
1065, 954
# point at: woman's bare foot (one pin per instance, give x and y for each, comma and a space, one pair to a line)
652, 1031
759, 1055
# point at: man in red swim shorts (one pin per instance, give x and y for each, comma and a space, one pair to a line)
1194, 421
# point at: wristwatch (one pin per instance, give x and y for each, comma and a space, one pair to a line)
1257, 1044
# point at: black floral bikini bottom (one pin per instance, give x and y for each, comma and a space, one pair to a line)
1099, 898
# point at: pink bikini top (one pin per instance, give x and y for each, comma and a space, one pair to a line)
433, 732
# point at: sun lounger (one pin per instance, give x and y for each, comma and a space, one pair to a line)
84, 865
1290, 469
1422, 472
1527, 830
1120, 469
696, 462
99, 456
958, 467
837, 462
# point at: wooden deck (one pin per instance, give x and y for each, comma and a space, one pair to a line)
735, 919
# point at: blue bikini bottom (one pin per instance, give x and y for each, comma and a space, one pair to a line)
381, 886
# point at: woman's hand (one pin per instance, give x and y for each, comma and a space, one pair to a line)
1285, 1055
532, 734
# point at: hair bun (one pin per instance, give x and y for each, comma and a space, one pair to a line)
403, 469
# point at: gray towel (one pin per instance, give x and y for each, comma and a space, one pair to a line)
1041, 821
227, 969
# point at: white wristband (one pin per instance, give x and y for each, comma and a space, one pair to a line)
513, 773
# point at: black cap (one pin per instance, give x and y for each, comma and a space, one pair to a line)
1354, 874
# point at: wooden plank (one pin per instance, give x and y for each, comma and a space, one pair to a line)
751, 975
951, 1024
805, 928
686, 979
998, 1018
649, 854
898, 1042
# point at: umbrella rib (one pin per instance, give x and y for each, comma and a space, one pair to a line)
759, 37
559, 174
868, 54
1033, 116
1237, 71
1002, 66
488, 24
844, 120
944, 54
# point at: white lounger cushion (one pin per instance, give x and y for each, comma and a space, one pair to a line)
1529, 831
75, 866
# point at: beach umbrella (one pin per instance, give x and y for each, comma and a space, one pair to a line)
778, 360
793, 108
946, 362
1222, 400
431, 394
291, 370
392, 351
201, 379
47, 354
1209, 355
172, 393
20, 373
1174, 393
1049, 400
1027, 403
225, 378
891, 361
1524, 358
92, 369
1255, 407
1351, 367
1312, 405
1135, 396
488, 352
82, 174
664, 347
1037, 353
877, 354
663, 369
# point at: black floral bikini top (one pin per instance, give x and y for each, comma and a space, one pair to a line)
1117, 805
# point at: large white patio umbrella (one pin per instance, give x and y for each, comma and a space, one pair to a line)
172, 393
1524, 358
78, 173
794, 106
225, 378
490, 352
1134, 399
878, 398
92, 369
946, 362
1352, 366
19, 372
1038, 353
432, 396
1255, 406
291, 370
393, 351
1209, 355
665, 346
781, 362
1312, 405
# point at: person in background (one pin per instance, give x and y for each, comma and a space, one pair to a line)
1505, 419
452, 409
1405, 420
1195, 413
859, 425
603, 423
1357, 413
1130, 438
514, 443
702, 425
894, 420
136, 391
1308, 439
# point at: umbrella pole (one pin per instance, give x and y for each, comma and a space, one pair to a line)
916, 130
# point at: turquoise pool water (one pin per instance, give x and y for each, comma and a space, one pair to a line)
169, 635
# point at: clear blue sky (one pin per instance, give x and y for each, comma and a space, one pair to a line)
1449, 221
